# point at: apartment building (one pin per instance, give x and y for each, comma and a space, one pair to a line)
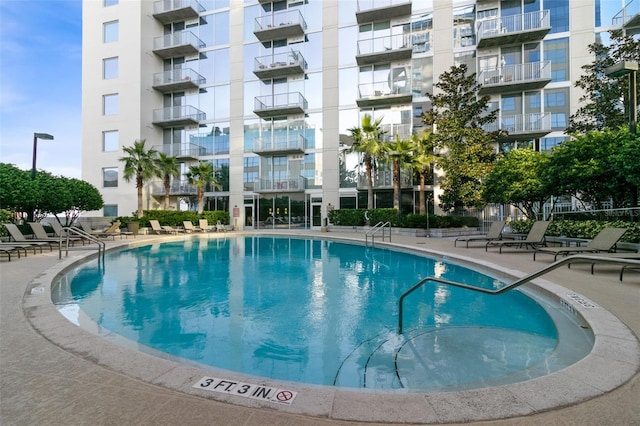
268, 90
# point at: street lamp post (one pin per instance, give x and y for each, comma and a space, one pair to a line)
630, 69
36, 136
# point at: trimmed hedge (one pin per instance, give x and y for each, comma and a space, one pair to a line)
581, 228
356, 217
175, 217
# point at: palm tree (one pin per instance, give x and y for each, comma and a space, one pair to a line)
200, 175
366, 141
422, 162
167, 168
399, 152
139, 162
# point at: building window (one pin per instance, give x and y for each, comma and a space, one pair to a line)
110, 31
548, 143
110, 68
558, 15
110, 210
110, 177
110, 141
556, 102
110, 104
108, 3
557, 51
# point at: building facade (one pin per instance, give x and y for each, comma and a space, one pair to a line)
268, 90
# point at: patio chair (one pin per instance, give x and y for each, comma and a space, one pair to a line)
603, 242
8, 249
189, 228
59, 231
19, 237
112, 231
157, 228
41, 234
534, 238
494, 233
204, 225
172, 230
220, 227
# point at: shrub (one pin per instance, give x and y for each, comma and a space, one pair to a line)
581, 228
213, 216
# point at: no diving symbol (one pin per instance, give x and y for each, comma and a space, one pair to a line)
284, 397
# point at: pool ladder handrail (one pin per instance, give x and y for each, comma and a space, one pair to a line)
380, 226
530, 277
70, 230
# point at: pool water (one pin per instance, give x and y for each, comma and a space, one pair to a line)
320, 312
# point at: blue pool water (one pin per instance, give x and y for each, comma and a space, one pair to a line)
320, 312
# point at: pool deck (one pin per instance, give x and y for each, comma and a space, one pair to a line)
53, 373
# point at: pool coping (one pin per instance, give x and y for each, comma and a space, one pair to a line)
615, 358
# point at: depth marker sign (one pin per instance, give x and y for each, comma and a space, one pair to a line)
247, 390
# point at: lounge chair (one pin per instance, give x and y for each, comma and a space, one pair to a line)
172, 230
603, 242
204, 225
534, 238
41, 234
494, 233
7, 249
157, 228
112, 231
188, 227
220, 227
60, 231
19, 237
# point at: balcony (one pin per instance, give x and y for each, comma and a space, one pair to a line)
280, 105
183, 43
521, 126
384, 49
177, 80
297, 184
167, 11
281, 65
629, 18
515, 78
390, 92
402, 131
532, 26
383, 179
280, 25
279, 144
183, 152
177, 188
178, 116
378, 10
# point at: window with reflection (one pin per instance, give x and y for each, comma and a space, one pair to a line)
421, 33
250, 14
558, 15
110, 141
557, 51
556, 102
109, 177
251, 172
221, 173
347, 91
463, 26
347, 51
422, 76
251, 134
110, 104
110, 68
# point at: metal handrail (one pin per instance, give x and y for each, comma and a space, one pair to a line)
516, 283
92, 238
377, 227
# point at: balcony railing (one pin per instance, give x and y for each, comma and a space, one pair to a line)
167, 11
533, 125
280, 105
629, 17
513, 29
280, 65
187, 151
376, 10
533, 75
280, 25
402, 131
177, 44
392, 91
296, 184
178, 116
177, 187
383, 179
384, 49
280, 144
177, 79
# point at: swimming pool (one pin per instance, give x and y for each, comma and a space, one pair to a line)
320, 312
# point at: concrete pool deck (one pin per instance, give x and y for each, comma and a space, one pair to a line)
53, 373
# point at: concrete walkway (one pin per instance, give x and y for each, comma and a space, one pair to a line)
53, 373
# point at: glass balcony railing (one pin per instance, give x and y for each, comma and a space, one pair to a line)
182, 151
177, 187
280, 105
279, 25
629, 16
384, 179
289, 63
294, 184
178, 79
375, 10
167, 11
533, 75
178, 115
512, 29
532, 124
291, 142
176, 44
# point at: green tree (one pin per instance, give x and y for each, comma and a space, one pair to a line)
586, 167
366, 142
139, 162
516, 179
600, 104
80, 197
201, 175
466, 150
18, 192
422, 162
399, 153
626, 161
167, 168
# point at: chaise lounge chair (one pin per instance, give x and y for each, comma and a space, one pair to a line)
534, 238
41, 234
204, 225
19, 238
189, 228
603, 242
494, 233
220, 227
60, 231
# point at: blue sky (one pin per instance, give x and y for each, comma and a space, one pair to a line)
40, 83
